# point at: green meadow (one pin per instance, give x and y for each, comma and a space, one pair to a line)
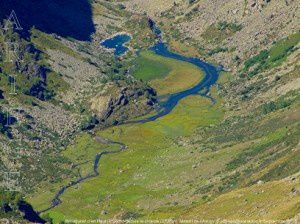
148, 67
164, 74
150, 172
247, 203
168, 170
153, 168
45, 41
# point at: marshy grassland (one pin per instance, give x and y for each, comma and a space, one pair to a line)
166, 75
191, 163
153, 167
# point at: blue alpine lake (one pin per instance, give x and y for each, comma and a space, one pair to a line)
117, 42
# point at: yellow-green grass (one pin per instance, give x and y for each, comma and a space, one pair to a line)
268, 201
151, 173
56, 82
45, 41
82, 154
99, 10
225, 77
281, 47
180, 47
166, 75
288, 158
213, 34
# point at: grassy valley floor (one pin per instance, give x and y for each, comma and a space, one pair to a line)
166, 75
194, 163
149, 174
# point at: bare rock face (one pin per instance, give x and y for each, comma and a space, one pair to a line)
115, 105
100, 104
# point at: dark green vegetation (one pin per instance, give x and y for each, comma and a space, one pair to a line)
142, 36
279, 104
268, 59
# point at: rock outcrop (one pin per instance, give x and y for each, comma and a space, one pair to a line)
115, 105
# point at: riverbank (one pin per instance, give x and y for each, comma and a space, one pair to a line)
170, 103
191, 112
129, 179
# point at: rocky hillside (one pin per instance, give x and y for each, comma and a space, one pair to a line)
224, 30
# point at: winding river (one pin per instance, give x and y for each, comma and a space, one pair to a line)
166, 106
202, 88
210, 78
56, 200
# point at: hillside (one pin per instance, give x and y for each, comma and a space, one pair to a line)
88, 135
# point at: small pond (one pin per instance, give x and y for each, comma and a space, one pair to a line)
117, 42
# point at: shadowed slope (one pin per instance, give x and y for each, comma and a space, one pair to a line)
67, 18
